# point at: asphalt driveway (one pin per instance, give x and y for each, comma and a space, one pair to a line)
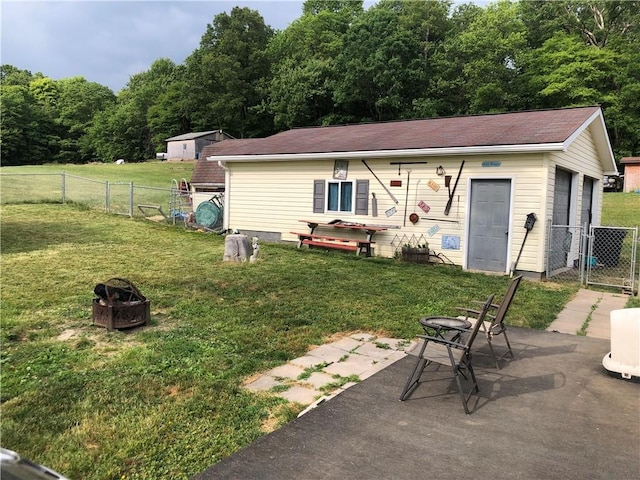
552, 412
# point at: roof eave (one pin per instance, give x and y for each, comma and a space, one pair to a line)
373, 154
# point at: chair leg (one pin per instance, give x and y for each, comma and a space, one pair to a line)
493, 353
473, 376
465, 396
416, 373
412, 381
508, 344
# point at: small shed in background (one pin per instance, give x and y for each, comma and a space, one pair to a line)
208, 178
189, 145
631, 173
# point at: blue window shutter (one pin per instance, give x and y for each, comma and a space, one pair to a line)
362, 197
318, 196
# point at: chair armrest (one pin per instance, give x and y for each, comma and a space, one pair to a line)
444, 341
493, 305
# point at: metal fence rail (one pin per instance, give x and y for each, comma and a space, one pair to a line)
121, 198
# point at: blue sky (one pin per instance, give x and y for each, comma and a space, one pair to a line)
108, 41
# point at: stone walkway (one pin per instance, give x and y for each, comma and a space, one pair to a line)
328, 370
592, 306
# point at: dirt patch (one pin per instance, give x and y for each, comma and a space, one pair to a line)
67, 334
277, 416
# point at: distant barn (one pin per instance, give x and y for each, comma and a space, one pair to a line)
189, 145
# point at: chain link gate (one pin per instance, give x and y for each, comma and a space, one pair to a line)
612, 257
603, 256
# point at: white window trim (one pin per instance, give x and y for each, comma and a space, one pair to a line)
353, 197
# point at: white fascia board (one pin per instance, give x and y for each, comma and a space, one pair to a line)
416, 152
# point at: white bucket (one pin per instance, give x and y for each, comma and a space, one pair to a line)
624, 357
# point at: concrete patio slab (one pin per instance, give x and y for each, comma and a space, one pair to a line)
553, 412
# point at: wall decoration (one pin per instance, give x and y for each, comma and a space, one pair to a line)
425, 208
491, 164
433, 230
451, 242
434, 185
340, 168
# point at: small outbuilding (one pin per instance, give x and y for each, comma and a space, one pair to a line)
631, 173
189, 145
472, 187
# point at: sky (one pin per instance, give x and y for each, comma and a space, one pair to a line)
108, 41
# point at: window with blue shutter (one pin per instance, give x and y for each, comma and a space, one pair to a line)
338, 196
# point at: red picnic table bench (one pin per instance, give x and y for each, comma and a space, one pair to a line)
312, 239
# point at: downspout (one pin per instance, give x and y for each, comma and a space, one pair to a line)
227, 183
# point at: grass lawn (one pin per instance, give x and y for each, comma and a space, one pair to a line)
166, 400
153, 173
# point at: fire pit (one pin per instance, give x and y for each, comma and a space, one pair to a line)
119, 304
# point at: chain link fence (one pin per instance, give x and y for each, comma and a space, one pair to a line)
121, 198
605, 256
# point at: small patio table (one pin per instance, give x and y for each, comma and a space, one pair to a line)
444, 324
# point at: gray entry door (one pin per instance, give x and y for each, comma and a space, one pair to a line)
489, 225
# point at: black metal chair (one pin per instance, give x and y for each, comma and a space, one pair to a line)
453, 350
495, 325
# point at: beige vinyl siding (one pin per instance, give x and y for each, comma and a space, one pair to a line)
581, 158
274, 196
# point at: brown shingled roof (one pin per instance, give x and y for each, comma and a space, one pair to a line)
519, 128
630, 160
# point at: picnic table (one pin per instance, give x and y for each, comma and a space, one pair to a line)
312, 239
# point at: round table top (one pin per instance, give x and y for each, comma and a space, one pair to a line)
445, 322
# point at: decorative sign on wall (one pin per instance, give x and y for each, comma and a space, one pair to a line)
340, 168
451, 242
425, 208
433, 230
434, 185
396, 183
491, 164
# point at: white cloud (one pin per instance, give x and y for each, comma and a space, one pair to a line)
108, 41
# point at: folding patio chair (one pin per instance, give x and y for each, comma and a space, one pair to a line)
454, 351
495, 325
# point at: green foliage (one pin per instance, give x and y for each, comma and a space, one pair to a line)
225, 74
339, 63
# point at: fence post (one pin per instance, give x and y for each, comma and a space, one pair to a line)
585, 255
546, 268
107, 191
131, 199
64, 187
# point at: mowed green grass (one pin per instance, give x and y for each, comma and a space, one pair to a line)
166, 400
153, 173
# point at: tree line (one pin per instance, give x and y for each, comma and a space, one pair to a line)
339, 63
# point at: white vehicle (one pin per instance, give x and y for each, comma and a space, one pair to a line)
14, 467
